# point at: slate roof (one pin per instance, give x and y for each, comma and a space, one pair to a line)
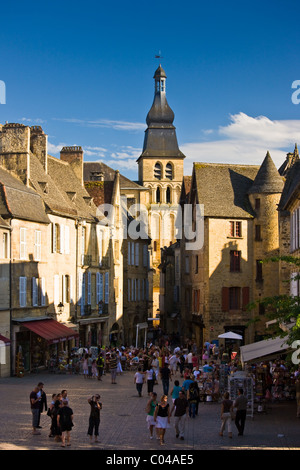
109, 175
19, 201
60, 189
4, 224
268, 179
56, 201
66, 180
160, 136
185, 189
291, 186
223, 189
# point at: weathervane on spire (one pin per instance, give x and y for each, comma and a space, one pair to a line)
158, 56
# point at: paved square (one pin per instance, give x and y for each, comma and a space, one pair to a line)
123, 419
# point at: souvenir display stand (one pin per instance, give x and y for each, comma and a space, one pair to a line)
240, 380
224, 372
19, 365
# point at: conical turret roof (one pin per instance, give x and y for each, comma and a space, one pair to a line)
268, 179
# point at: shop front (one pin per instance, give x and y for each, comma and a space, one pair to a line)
40, 341
4, 356
93, 332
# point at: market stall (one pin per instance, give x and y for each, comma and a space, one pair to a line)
263, 349
241, 380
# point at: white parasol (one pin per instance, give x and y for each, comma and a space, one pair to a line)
230, 335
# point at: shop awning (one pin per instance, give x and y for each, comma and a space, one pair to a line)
51, 330
261, 349
4, 341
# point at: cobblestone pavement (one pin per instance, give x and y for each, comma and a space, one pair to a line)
123, 419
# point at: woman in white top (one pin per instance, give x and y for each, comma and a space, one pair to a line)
150, 377
139, 379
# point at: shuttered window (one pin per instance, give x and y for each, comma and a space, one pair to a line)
235, 298
37, 245
99, 287
34, 292
23, 291
106, 299
235, 261
23, 243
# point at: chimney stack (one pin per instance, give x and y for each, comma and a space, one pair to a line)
15, 150
74, 156
39, 145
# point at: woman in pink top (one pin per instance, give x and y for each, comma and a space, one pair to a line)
195, 361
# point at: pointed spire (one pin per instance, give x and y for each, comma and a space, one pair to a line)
160, 136
268, 179
160, 113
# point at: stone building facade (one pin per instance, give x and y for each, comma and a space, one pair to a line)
58, 272
240, 230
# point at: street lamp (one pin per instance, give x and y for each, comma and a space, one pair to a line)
60, 308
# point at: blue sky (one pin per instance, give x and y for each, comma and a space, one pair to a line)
84, 72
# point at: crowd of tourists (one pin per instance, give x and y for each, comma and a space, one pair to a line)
186, 377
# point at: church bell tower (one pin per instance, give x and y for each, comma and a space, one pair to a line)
161, 172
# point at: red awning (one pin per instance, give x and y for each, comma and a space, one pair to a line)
4, 340
51, 330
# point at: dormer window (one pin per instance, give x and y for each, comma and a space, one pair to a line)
97, 176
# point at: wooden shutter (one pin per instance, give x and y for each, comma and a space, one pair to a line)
106, 280
23, 291
99, 281
137, 252
43, 292
53, 238
34, 292
225, 299
22, 243
89, 286
246, 297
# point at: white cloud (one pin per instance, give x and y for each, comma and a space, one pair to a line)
245, 140
128, 164
35, 121
127, 152
107, 123
55, 149
124, 159
94, 151
97, 149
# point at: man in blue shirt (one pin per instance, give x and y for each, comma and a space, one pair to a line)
186, 384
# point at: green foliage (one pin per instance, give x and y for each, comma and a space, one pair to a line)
284, 309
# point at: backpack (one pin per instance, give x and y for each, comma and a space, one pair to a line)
100, 362
193, 394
